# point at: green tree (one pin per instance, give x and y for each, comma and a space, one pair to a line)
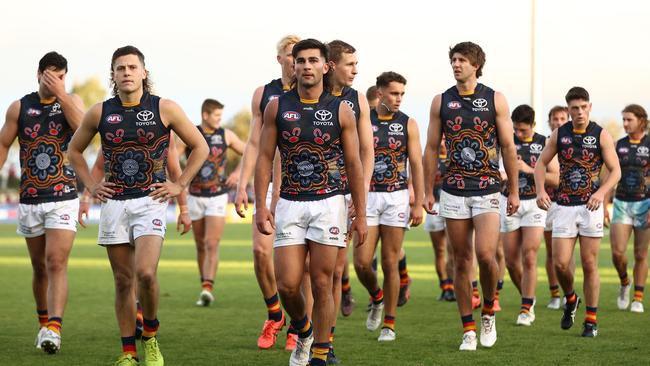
91, 92
240, 125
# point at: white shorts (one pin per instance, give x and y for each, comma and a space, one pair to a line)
434, 223
550, 216
571, 221
123, 221
322, 221
528, 215
460, 207
201, 207
269, 197
33, 219
388, 208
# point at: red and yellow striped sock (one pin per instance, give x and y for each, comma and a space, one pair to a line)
345, 284
625, 280
319, 354
638, 293
488, 307
590, 316
42, 317
128, 346
526, 304
403, 272
469, 325
273, 308
377, 297
475, 289
150, 328
389, 322
332, 334
54, 324
138, 315
207, 285
571, 298
303, 327
555, 290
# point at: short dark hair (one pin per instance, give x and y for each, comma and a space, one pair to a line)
639, 112
371, 93
130, 50
210, 105
577, 92
473, 52
308, 44
523, 114
338, 48
53, 59
557, 109
386, 77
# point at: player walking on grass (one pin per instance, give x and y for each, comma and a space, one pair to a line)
476, 123
208, 197
263, 244
632, 206
44, 122
319, 150
397, 145
135, 128
582, 147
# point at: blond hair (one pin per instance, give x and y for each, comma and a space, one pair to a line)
285, 41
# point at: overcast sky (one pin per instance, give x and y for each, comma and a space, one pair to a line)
223, 50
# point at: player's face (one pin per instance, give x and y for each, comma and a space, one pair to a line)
128, 73
59, 74
579, 110
310, 67
631, 123
213, 120
391, 95
345, 70
285, 59
558, 119
523, 130
462, 67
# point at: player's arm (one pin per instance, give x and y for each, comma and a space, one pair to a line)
431, 151
80, 141
97, 173
71, 104
265, 154
354, 170
174, 116
552, 177
175, 171
415, 163
543, 164
249, 155
505, 134
9, 131
237, 145
610, 159
366, 144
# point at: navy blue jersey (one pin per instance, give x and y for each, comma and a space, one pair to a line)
469, 125
211, 178
529, 152
43, 136
135, 144
390, 137
309, 140
635, 170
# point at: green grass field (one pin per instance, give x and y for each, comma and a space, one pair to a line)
428, 331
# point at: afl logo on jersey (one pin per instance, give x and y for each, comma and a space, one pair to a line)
566, 140
114, 118
145, 116
33, 112
454, 105
642, 151
536, 148
291, 116
271, 97
623, 150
